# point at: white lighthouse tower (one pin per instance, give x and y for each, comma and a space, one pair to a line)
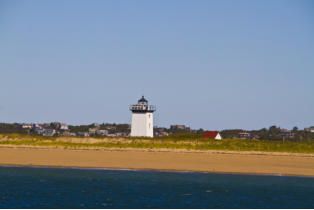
142, 118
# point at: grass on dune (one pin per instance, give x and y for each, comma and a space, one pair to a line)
163, 143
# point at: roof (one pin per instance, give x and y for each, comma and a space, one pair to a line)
210, 134
142, 100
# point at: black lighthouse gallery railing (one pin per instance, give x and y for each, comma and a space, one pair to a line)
142, 108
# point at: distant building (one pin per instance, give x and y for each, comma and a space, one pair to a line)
102, 132
110, 127
121, 134
247, 135
164, 133
212, 135
55, 125
36, 125
179, 127
49, 132
159, 129
286, 132
92, 131
244, 135
26, 126
161, 133
46, 125
96, 125
39, 131
63, 126
68, 133
83, 134
310, 129
59, 126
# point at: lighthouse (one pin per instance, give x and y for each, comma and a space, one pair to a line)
142, 119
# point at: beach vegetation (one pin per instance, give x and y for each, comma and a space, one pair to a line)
178, 141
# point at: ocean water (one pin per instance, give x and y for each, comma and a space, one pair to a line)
27, 187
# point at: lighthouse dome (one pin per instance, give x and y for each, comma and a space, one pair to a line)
142, 101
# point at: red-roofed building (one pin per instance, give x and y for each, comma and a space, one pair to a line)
212, 135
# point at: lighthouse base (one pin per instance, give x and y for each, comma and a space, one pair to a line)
142, 124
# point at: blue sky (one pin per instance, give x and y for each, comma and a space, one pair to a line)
209, 64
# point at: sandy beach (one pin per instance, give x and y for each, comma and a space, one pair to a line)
209, 161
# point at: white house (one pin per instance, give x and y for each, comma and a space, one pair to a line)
310, 129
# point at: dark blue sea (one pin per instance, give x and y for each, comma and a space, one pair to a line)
27, 187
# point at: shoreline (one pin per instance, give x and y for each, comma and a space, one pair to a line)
222, 162
151, 170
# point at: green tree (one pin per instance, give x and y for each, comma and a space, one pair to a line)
200, 131
263, 133
274, 133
